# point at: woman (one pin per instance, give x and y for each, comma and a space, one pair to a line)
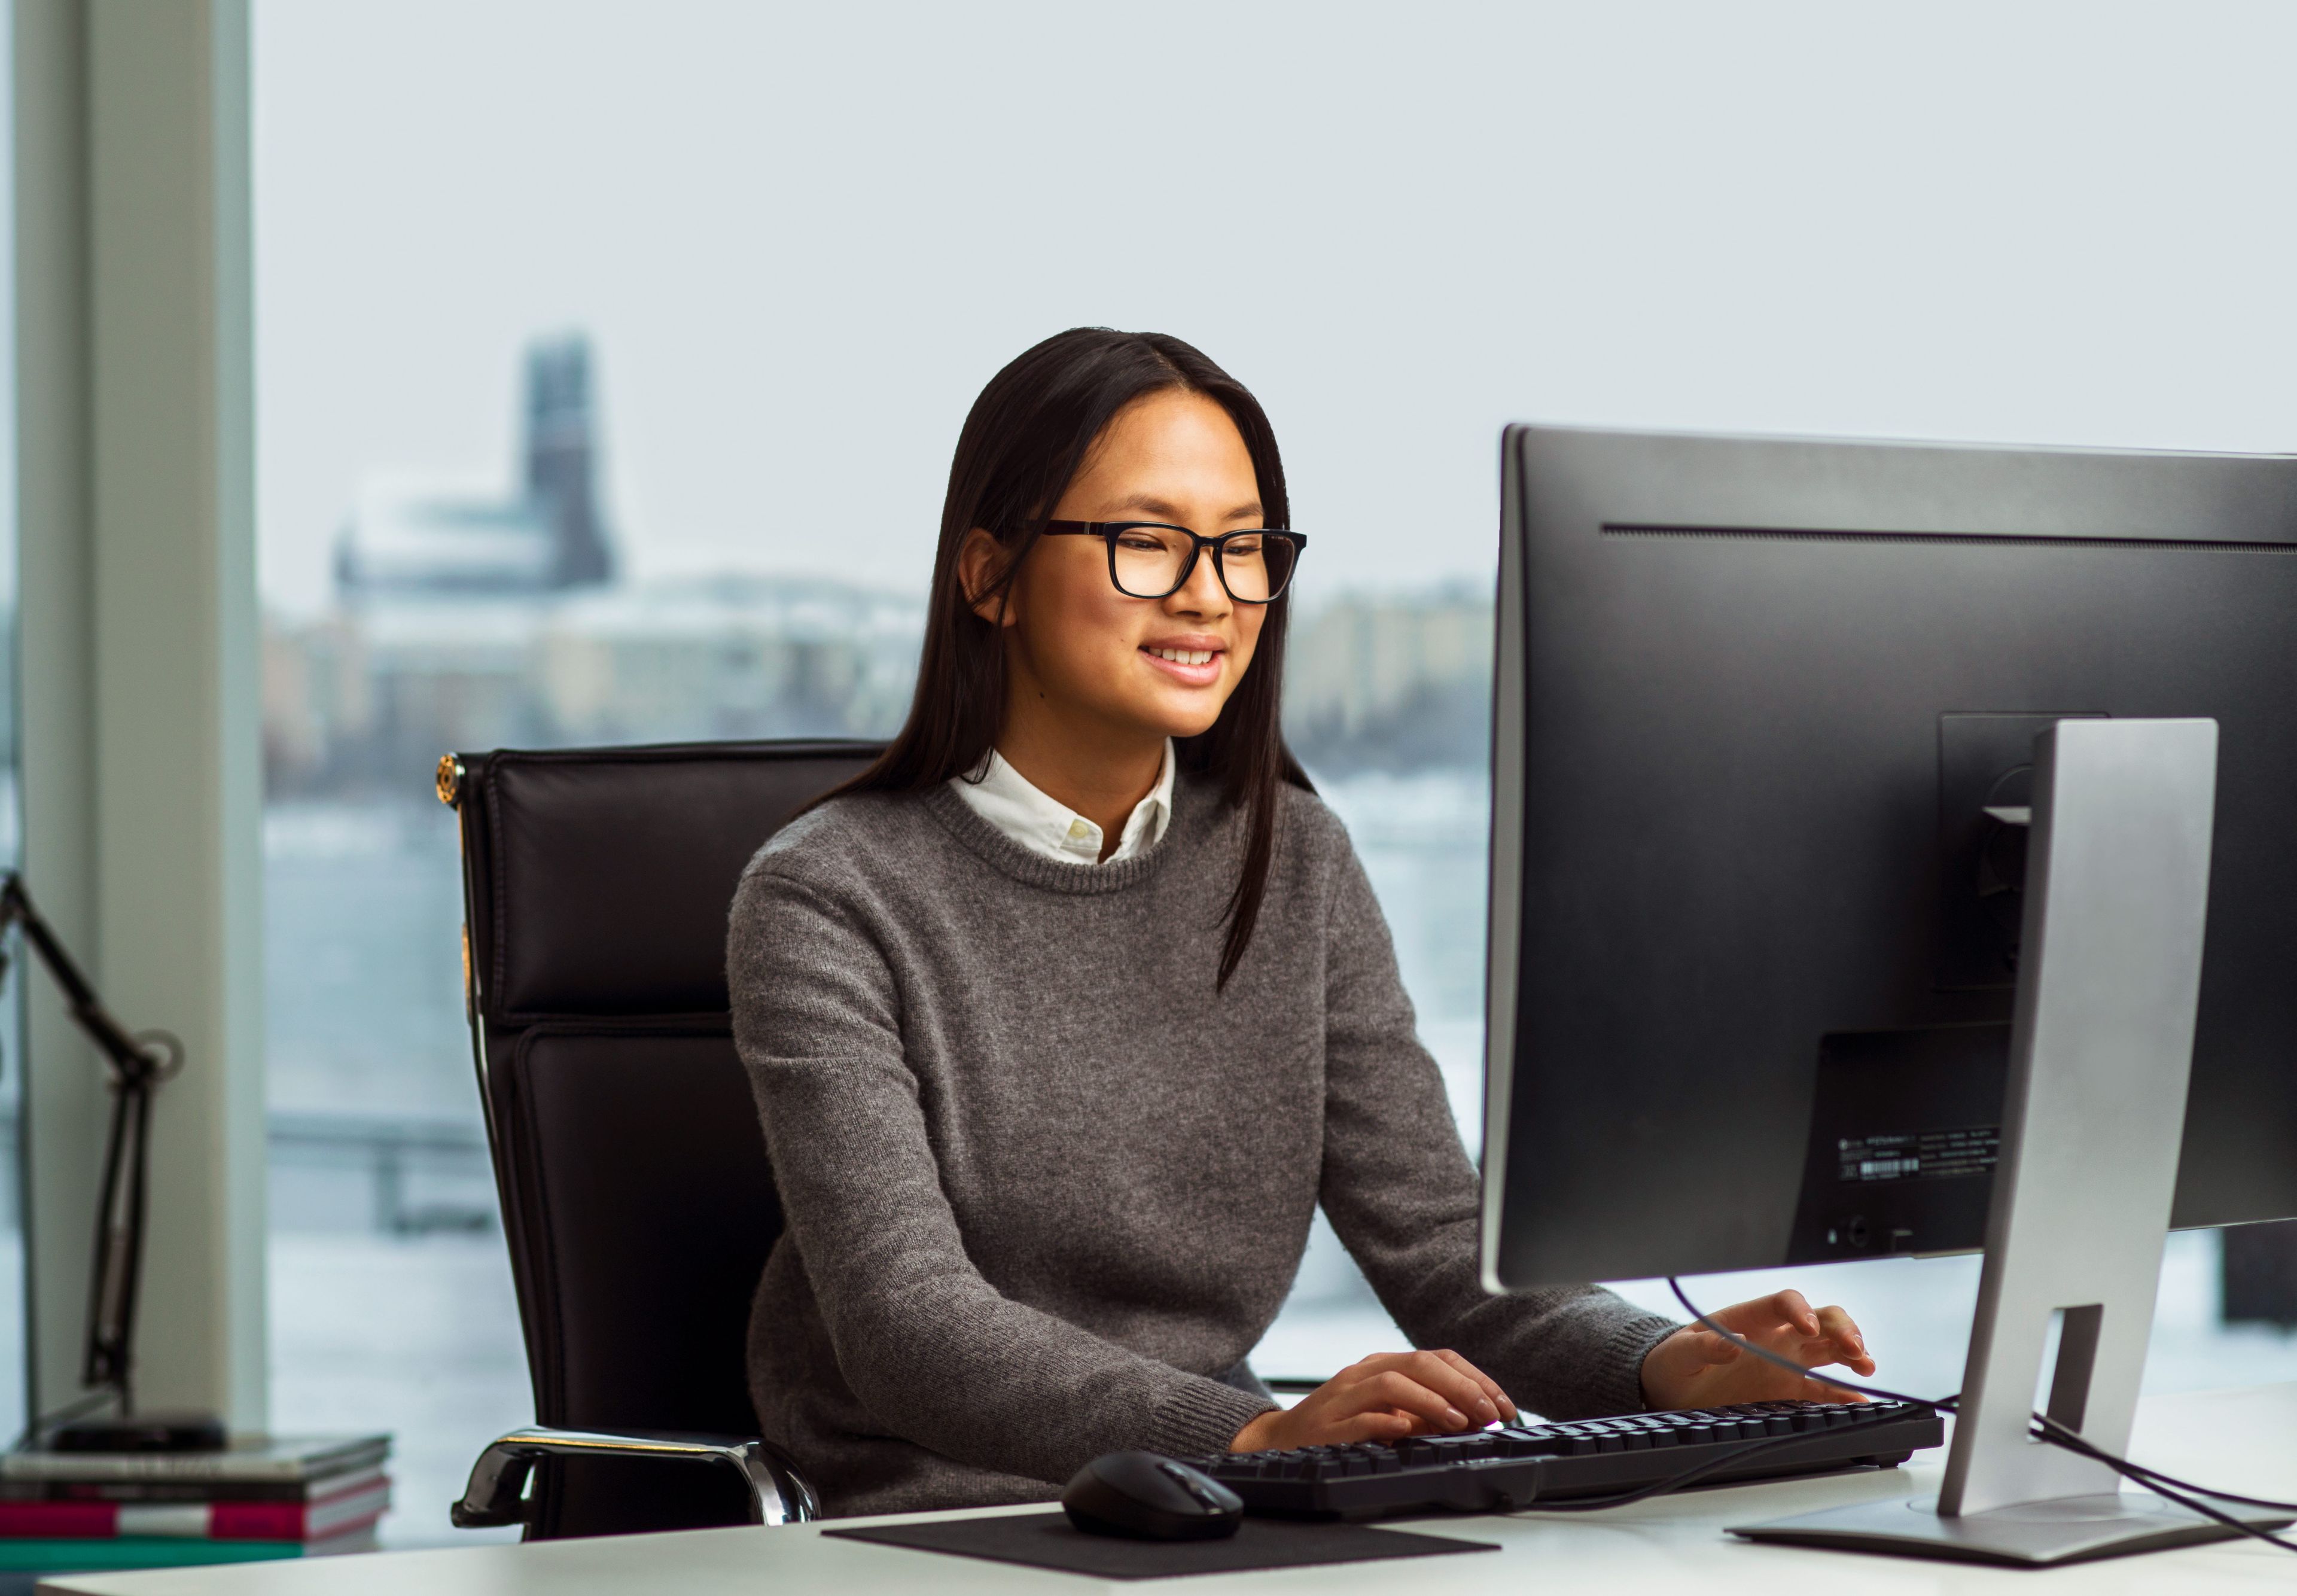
1063, 1017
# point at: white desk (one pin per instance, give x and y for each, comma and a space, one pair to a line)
2238, 1440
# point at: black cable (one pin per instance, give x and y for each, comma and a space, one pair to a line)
1946, 1404
2167, 1486
2049, 1429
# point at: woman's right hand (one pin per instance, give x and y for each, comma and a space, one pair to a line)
1384, 1398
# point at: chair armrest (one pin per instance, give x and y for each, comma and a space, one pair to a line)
778, 1493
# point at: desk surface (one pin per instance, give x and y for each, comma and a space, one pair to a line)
2237, 1440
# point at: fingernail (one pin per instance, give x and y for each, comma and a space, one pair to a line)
1455, 1419
1485, 1410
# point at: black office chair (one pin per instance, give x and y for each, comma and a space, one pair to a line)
635, 1195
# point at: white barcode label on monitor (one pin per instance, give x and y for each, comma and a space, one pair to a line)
1919, 1155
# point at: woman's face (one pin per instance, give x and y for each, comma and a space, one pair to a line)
1126, 667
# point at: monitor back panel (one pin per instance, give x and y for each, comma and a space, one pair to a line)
1753, 935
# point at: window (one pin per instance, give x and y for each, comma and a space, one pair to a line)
610, 358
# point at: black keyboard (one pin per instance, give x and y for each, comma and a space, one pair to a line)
1521, 1465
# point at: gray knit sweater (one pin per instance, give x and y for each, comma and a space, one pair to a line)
1044, 1185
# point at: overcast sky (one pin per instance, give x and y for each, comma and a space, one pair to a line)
802, 236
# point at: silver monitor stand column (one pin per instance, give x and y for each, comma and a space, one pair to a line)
2117, 893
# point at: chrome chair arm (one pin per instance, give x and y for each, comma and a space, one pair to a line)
495, 1497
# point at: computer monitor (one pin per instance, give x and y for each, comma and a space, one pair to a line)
1764, 731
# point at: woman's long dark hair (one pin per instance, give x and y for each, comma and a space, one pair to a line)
1023, 441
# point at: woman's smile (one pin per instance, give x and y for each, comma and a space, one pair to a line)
1192, 659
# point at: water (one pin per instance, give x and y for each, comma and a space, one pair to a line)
390, 1311
363, 975
416, 1334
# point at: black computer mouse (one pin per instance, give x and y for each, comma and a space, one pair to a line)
1149, 1498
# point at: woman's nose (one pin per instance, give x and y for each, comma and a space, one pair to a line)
1202, 594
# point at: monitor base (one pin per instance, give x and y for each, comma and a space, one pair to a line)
2035, 1534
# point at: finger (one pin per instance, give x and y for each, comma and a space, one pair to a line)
1857, 1363
1488, 1386
1818, 1390
1392, 1388
1838, 1327
1464, 1394
1359, 1369
1843, 1346
1791, 1307
1710, 1348
1487, 1390
1378, 1425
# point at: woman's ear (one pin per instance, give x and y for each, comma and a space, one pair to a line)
979, 564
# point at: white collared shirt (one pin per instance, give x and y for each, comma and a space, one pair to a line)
1016, 806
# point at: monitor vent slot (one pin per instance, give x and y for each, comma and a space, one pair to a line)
1756, 534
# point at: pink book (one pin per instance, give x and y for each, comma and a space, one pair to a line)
197, 1520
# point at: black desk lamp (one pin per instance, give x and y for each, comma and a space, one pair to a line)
138, 1063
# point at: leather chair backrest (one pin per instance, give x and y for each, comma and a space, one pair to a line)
635, 1195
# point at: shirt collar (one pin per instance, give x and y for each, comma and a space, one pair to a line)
1013, 804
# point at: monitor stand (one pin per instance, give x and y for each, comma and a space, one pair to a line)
2117, 893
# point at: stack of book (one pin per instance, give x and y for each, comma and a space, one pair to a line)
260, 1497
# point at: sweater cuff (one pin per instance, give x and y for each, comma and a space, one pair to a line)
1620, 1387
1201, 1416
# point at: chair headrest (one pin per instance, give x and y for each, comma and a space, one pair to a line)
597, 880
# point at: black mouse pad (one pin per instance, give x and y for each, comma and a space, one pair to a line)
1049, 1541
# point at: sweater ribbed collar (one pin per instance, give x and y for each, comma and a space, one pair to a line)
1009, 858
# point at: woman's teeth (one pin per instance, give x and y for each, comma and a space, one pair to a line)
1185, 656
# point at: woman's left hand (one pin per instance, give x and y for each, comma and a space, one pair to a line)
1695, 1368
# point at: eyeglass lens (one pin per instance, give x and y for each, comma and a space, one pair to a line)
1148, 562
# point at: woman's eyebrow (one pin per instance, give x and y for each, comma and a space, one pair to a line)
1162, 510
1145, 504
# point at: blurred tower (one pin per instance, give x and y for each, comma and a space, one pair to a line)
562, 458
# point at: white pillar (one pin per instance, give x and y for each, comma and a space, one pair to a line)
63, 1093
142, 750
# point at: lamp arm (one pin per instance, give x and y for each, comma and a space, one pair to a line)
129, 1058
138, 1066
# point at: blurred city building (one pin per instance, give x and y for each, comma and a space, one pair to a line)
409, 536
464, 619
1397, 682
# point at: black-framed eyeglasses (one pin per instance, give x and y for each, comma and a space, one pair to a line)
1153, 559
